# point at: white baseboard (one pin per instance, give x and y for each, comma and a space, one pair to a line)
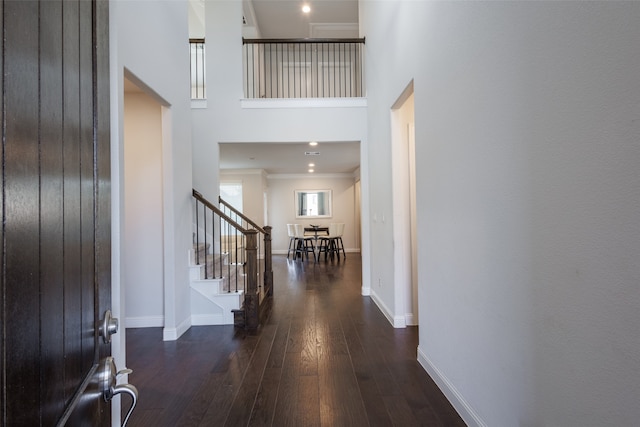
396, 321
410, 319
399, 322
457, 400
209, 319
144, 322
169, 334
172, 334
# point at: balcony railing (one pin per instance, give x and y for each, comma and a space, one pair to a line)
303, 68
197, 65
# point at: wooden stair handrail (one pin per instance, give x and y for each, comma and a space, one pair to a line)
241, 215
214, 208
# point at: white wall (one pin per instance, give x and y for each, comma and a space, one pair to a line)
527, 130
142, 246
282, 207
148, 39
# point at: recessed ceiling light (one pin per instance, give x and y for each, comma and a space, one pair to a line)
313, 143
310, 170
306, 8
311, 165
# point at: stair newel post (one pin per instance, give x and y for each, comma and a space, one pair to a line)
268, 270
251, 297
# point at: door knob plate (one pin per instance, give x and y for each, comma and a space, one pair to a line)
108, 385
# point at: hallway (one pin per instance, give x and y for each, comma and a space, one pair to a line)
325, 357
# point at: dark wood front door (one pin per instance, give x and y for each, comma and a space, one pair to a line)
55, 209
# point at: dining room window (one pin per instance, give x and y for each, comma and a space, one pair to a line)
313, 203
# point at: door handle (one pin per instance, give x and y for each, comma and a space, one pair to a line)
109, 387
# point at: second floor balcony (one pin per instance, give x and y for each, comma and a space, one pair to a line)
303, 68
293, 68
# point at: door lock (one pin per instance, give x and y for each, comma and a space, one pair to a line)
109, 387
108, 326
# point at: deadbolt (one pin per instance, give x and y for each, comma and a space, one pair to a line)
108, 326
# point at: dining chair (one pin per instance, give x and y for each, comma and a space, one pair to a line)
291, 232
339, 244
332, 244
304, 244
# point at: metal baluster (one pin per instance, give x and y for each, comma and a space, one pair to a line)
197, 235
220, 254
321, 68
249, 73
205, 241
314, 55
278, 63
244, 262
258, 267
270, 71
359, 68
197, 73
296, 57
260, 69
347, 67
339, 67
213, 251
306, 78
333, 85
191, 48
236, 259
229, 259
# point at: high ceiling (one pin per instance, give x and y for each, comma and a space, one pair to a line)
285, 19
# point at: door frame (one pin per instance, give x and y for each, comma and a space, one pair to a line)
404, 209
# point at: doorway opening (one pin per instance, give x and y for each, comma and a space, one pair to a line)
404, 208
143, 219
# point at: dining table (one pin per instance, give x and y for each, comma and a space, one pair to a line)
316, 229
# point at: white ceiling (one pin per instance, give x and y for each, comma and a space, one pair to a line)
290, 158
285, 19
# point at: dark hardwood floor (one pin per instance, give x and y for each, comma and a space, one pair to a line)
326, 356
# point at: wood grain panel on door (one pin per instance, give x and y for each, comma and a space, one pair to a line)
55, 211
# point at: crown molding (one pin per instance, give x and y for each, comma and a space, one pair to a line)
311, 175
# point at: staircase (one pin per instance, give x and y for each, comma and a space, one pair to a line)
214, 297
230, 273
